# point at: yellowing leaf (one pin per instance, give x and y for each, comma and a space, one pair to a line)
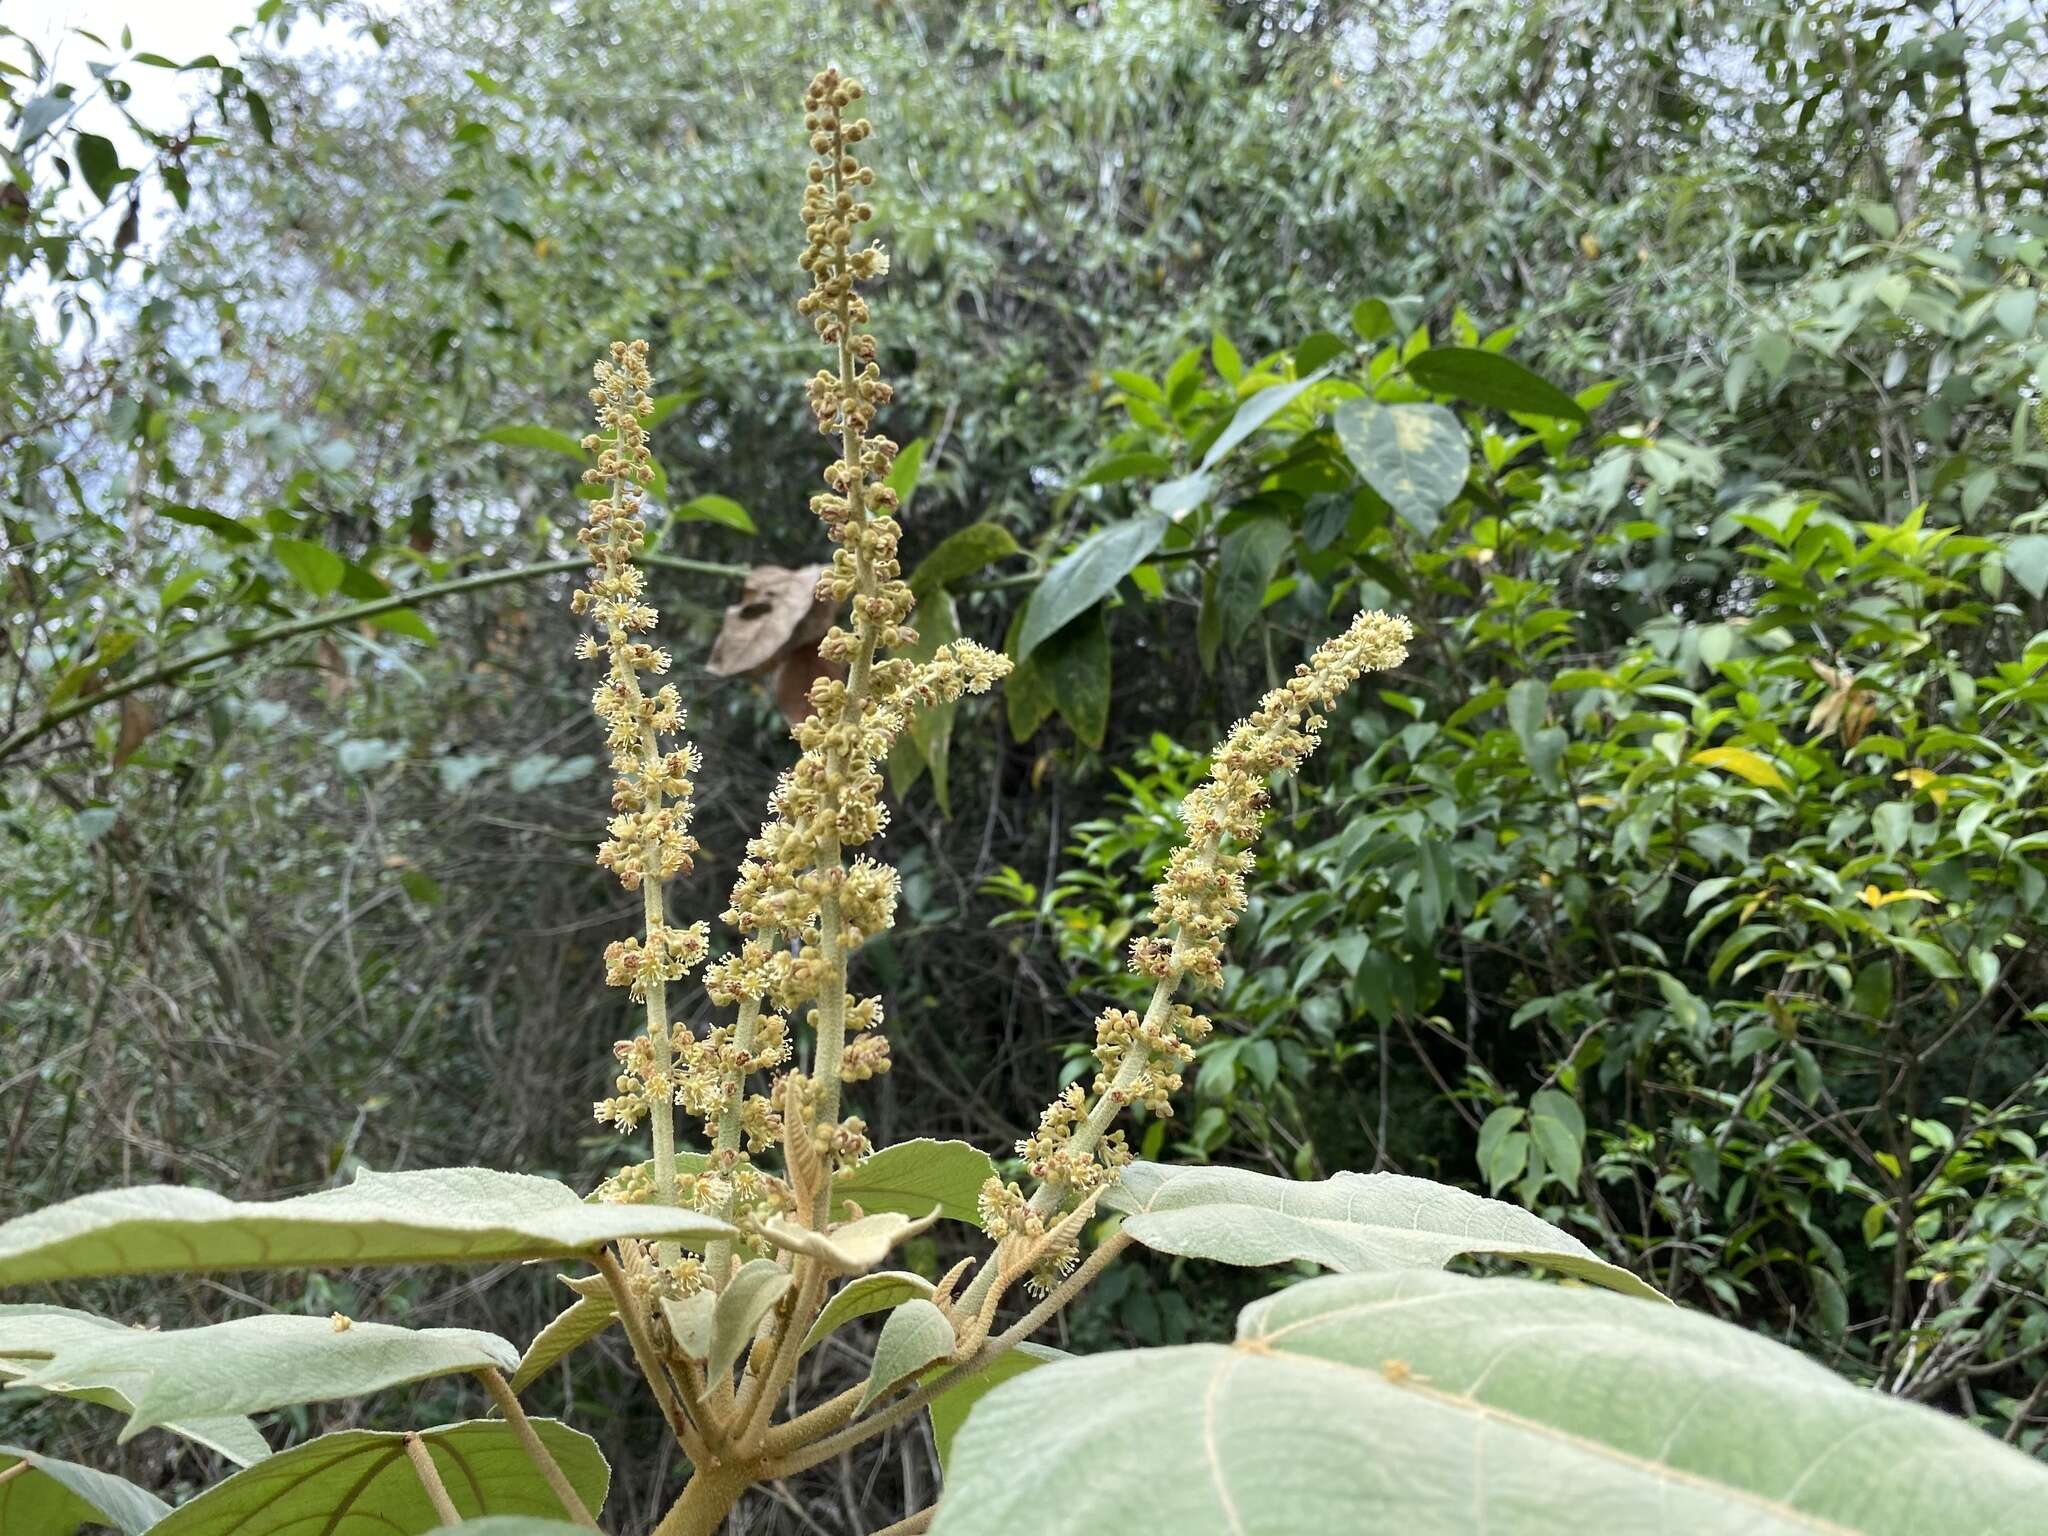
1873, 897
1920, 778
1742, 761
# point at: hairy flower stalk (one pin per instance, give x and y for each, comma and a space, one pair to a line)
649, 842
1195, 906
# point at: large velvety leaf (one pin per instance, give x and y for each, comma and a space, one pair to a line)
1487, 378
1438, 1405
32, 1334
583, 1320
950, 1408
1086, 577
360, 1483
56, 1498
1353, 1222
1415, 456
256, 1363
913, 1176
436, 1216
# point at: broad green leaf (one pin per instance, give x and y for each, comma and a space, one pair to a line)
915, 1335
689, 1321
716, 509
1254, 413
1075, 664
1250, 556
904, 473
1415, 457
1085, 577
537, 437
313, 566
1175, 499
359, 1482
739, 1310
857, 1298
852, 1246
30, 1334
512, 1525
99, 163
1487, 378
213, 522
253, 1364
1448, 1406
56, 1498
959, 554
2026, 559
950, 1408
406, 622
1126, 466
584, 1319
1740, 760
434, 1216
913, 1176
1353, 1222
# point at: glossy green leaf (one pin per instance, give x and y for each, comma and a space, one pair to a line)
253, 1364
359, 1482
1253, 413
950, 1408
858, 1298
435, 1216
1415, 457
915, 1335
722, 510
99, 163
537, 437
959, 554
313, 566
1448, 1406
1487, 378
1087, 576
1353, 1222
32, 1334
1250, 556
57, 1498
1075, 664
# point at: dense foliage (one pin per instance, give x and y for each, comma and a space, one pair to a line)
1687, 891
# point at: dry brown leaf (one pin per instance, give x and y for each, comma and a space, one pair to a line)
138, 723
778, 611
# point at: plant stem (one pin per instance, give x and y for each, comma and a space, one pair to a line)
718, 1256
714, 1487
536, 1451
645, 1355
430, 1478
172, 668
910, 1525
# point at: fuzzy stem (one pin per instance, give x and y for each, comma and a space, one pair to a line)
536, 1451
910, 1525
430, 1479
708, 1497
758, 1397
718, 1256
645, 1355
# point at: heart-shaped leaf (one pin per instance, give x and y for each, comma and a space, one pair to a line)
56, 1498
437, 1216
1439, 1405
1353, 1222
1415, 457
360, 1482
915, 1335
253, 1364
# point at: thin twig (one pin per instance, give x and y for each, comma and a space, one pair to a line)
536, 1452
644, 1353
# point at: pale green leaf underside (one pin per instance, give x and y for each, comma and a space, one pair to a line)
359, 1483
740, 1307
857, 1298
1415, 456
256, 1363
950, 1408
851, 1247
436, 1216
913, 1176
583, 1320
915, 1335
1353, 1223
1440, 1405
55, 1498
29, 1334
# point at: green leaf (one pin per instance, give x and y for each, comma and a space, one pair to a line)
858, 1298
213, 522
1448, 1406
512, 1525
1415, 457
406, 622
911, 1177
1487, 378
950, 1408
253, 1364
1075, 664
435, 1216
903, 474
961, 554
1254, 413
1353, 1222
929, 741
99, 164
29, 1334
583, 1320
741, 1305
1174, 499
313, 566
716, 509
1558, 1130
361, 1483
2026, 559
1250, 556
915, 1335
1127, 466
537, 437
56, 1498
1085, 577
